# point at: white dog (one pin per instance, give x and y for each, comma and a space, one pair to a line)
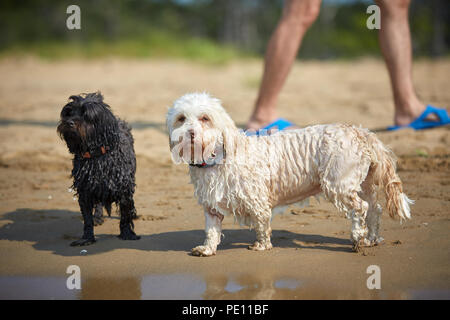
251, 177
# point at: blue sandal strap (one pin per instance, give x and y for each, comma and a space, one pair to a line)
422, 123
280, 123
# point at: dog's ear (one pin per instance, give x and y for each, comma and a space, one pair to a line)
94, 112
76, 100
169, 126
172, 144
94, 109
228, 129
229, 132
90, 112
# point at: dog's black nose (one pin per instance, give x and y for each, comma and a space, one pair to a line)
191, 133
71, 123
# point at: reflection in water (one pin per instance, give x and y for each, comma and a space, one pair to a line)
172, 287
287, 283
191, 287
250, 287
34, 288
110, 288
233, 287
430, 294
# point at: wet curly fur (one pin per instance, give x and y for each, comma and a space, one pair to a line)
104, 163
253, 178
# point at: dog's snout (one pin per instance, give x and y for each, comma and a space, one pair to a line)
70, 123
191, 133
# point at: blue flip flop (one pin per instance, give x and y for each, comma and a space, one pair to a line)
420, 123
280, 124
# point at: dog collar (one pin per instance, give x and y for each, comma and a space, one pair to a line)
203, 165
88, 155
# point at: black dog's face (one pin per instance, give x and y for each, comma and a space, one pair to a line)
73, 128
84, 121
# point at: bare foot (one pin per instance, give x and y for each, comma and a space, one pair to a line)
405, 116
260, 119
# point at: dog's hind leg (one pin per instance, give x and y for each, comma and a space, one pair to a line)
98, 214
126, 205
86, 207
213, 231
263, 233
374, 212
134, 215
355, 208
359, 230
341, 185
108, 208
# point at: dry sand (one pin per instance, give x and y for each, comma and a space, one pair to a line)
312, 255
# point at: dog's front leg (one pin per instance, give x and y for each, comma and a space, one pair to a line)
86, 207
213, 230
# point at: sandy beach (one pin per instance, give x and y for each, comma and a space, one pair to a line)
312, 256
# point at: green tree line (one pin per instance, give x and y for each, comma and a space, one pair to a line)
203, 29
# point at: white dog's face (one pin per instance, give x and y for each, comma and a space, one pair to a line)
196, 124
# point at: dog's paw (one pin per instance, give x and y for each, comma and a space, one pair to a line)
258, 246
202, 251
378, 241
356, 247
374, 242
128, 235
83, 242
364, 243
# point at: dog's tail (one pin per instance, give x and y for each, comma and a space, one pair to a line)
384, 174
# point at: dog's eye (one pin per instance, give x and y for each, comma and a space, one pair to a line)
204, 119
181, 118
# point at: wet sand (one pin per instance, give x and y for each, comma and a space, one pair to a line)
312, 255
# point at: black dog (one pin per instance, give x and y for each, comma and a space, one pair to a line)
104, 163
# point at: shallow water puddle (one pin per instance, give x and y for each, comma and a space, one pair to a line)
181, 286
31, 288
166, 286
287, 283
172, 287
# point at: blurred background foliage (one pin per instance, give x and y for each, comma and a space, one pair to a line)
204, 30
